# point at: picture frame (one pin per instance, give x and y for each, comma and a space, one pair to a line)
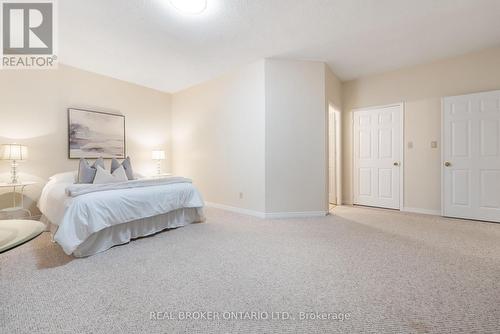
95, 134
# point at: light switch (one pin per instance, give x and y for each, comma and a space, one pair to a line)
434, 144
410, 145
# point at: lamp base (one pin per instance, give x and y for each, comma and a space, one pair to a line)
158, 167
13, 173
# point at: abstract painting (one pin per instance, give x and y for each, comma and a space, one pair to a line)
94, 134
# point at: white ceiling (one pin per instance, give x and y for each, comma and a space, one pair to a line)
149, 43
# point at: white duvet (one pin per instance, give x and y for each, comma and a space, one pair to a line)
92, 209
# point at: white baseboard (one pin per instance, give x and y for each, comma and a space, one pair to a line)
422, 211
235, 209
272, 215
413, 210
304, 214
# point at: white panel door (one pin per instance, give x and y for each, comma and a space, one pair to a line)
377, 157
471, 156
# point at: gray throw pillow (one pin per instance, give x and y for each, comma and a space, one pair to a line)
127, 165
86, 173
99, 162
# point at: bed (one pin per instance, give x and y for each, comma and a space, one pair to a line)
86, 219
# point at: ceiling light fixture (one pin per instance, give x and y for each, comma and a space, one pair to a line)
192, 7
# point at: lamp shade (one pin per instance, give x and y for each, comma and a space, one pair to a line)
158, 155
14, 152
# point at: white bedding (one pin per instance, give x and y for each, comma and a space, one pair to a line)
123, 233
81, 216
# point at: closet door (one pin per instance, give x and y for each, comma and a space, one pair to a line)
471, 156
377, 157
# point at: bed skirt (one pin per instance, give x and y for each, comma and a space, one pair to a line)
124, 233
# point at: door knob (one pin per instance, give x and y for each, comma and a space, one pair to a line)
396, 163
447, 163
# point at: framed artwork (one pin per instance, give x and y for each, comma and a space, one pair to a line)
94, 134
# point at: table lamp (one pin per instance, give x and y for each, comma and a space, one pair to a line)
158, 155
14, 153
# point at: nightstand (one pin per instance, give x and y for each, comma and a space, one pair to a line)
17, 188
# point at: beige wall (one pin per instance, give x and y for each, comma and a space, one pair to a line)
421, 87
219, 137
333, 88
259, 131
296, 128
33, 111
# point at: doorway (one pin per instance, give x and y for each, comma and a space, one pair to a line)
334, 157
471, 156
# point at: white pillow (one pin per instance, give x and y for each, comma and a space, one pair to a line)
102, 176
138, 176
68, 177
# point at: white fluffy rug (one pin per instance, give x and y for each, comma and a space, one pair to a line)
389, 271
15, 232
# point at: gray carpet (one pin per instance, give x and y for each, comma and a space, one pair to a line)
391, 272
